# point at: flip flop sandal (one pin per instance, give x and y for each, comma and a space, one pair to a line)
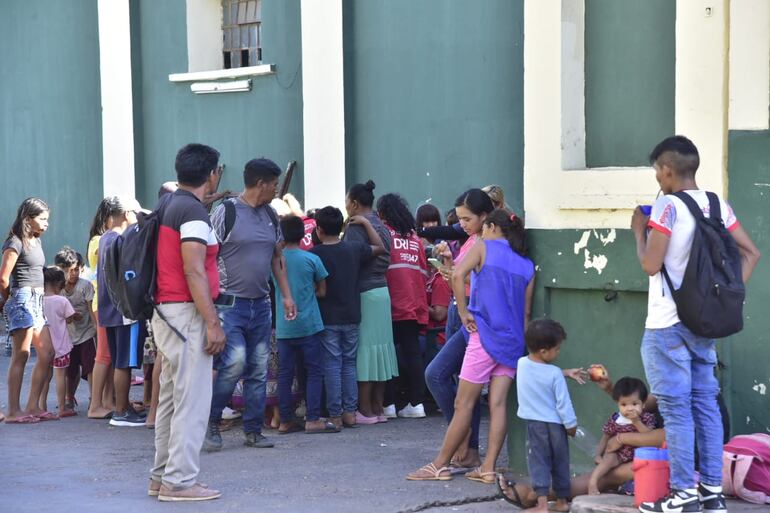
329, 427
46, 416
434, 474
511, 485
68, 413
293, 428
26, 419
480, 477
103, 417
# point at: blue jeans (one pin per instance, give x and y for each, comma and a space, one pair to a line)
247, 327
680, 369
340, 344
310, 348
439, 376
548, 458
453, 322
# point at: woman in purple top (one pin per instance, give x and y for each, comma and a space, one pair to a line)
502, 285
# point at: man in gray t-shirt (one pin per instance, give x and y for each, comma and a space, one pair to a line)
250, 250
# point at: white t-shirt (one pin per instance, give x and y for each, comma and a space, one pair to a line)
671, 217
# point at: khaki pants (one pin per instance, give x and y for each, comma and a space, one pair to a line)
185, 395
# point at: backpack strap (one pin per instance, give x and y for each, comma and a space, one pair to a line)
229, 218
690, 203
274, 220
715, 209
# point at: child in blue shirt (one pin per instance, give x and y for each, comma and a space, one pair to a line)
302, 334
545, 405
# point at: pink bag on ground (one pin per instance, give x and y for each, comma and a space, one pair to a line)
746, 468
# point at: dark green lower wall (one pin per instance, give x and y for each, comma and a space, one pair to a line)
747, 354
50, 129
604, 314
266, 121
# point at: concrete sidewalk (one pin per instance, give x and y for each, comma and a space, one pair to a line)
80, 465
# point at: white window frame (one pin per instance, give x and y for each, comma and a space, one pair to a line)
204, 46
559, 191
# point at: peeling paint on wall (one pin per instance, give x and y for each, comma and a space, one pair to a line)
760, 387
609, 238
598, 262
583, 242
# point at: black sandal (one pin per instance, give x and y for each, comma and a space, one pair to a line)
516, 500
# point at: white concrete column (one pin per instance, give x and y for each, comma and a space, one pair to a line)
117, 98
749, 64
323, 110
702, 38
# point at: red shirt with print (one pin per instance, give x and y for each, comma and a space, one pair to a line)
407, 277
307, 241
439, 294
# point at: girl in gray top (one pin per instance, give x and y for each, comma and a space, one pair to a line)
21, 293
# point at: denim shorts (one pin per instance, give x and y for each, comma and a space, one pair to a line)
24, 309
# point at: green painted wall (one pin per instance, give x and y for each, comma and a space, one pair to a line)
603, 315
433, 97
266, 121
50, 130
629, 79
748, 353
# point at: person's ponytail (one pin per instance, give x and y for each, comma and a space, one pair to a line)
512, 227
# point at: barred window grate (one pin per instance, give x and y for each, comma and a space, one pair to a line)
241, 33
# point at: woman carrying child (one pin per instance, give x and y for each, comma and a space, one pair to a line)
500, 298
21, 292
630, 394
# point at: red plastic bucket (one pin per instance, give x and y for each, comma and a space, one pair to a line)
651, 474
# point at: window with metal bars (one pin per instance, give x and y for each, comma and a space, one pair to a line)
241, 33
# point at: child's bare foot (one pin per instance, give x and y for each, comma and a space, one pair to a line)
562, 506
99, 413
541, 507
593, 487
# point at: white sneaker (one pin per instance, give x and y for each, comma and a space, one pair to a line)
389, 412
412, 412
230, 414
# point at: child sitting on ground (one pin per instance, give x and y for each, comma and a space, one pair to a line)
82, 330
630, 394
58, 312
545, 404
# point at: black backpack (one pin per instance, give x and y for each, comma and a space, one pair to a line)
130, 266
710, 300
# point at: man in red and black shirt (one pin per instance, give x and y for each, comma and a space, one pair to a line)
188, 333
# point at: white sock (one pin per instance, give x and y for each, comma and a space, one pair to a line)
712, 488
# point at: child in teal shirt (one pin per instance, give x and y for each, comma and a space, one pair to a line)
302, 334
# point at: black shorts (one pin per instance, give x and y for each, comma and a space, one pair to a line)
82, 359
126, 346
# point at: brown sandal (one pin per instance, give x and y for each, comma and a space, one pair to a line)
481, 477
434, 474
